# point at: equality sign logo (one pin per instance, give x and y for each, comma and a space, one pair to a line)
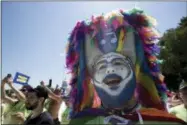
21, 78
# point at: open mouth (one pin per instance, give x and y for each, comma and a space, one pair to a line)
112, 80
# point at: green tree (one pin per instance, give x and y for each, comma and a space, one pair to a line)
174, 54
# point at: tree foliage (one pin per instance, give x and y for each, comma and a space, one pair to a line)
174, 54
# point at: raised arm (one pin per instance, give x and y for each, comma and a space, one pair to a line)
18, 93
4, 97
50, 93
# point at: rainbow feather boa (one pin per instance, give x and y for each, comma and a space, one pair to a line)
151, 90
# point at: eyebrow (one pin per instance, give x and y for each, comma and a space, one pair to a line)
102, 61
117, 59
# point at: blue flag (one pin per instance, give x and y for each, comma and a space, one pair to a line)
21, 79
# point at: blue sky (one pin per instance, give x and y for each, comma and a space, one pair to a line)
34, 34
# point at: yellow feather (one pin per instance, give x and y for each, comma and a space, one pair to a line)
149, 85
121, 41
120, 19
137, 71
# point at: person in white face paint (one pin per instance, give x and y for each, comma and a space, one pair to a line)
112, 75
115, 74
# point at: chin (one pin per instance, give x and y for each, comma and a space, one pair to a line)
118, 95
118, 88
29, 107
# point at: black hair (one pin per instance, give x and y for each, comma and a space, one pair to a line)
40, 92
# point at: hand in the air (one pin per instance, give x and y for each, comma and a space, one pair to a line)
7, 79
4, 81
10, 81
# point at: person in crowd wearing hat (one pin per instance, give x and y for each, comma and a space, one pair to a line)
14, 109
35, 99
181, 110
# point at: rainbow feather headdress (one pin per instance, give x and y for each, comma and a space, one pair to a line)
151, 90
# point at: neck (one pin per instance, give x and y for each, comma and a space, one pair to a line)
131, 104
129, 107
37, 111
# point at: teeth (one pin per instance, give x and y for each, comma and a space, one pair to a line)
112, 81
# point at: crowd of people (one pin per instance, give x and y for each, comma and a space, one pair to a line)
28, 105
178, 102
44, 105
116, 79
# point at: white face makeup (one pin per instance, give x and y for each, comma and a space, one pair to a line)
112, 73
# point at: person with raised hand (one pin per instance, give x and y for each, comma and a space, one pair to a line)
14, 106
35, 100
55, 103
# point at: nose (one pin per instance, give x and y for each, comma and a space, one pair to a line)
110, 70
